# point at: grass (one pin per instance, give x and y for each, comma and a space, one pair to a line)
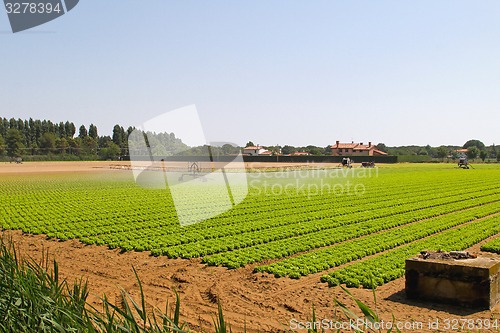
32, 298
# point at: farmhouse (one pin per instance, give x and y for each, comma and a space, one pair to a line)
300, 153
355, 149
266, 153
256, 150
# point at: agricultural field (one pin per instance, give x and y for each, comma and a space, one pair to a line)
351, 227
397, 211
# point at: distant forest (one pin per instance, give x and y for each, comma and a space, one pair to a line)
46, 140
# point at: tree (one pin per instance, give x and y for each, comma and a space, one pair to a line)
472, 152
27, 134
5, 127
74, 145
93, 131
483, 154
104, 141
2, 128
82, 132
14, 141
20, 125
48, 142
228, 149
474, 143
37, 129
431, 151
111, 152
381, 147
62, 145
423, 152
89, 145
313, 150
441, 152
498, 157
250, 144
69, 129
287, 150
2, 143
493, 151
62, 130
118, 135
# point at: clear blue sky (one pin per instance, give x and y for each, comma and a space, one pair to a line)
274, 72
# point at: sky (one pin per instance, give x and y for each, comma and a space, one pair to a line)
274, 72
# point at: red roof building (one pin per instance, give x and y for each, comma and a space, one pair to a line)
256, 150
355, 149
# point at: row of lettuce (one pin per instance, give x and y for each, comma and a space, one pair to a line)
303, 234
288, 246
391, 265
492, 246
326, 258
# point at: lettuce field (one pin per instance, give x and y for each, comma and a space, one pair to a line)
354, 227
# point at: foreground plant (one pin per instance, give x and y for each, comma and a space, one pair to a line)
132, 316
370, 321
34, 299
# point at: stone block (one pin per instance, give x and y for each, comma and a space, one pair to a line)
468, 282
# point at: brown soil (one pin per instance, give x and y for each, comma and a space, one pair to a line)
57, 167
260, 302
97, 166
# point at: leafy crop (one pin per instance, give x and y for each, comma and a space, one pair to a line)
492, 246
391, 264
286, 234
320, 260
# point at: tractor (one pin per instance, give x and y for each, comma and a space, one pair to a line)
368, 164
346, 162
463, 163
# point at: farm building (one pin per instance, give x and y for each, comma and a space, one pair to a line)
266, 153
300, 153
355, 149
256, 150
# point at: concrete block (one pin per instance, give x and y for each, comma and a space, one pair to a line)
468, 282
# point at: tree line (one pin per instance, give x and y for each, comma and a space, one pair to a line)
63, 140
44, 139
21, 138
475, 149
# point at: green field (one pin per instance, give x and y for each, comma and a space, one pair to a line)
368, 221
